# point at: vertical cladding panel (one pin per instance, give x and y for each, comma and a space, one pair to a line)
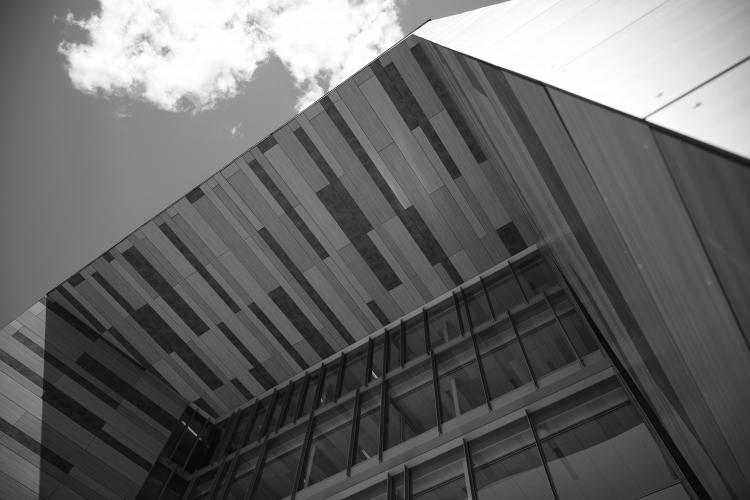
92, 433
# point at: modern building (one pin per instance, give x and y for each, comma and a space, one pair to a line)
509, 258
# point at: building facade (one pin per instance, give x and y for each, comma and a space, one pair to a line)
507, 258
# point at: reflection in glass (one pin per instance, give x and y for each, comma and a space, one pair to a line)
330, 444
479, 308
260, 419
243, 474
394, 348
507, 465
310, 392
459, 380
328, 393
443, 322
202, 488
611, 456
397, 487
440, 478
504, 291
410, 407
377, 358
547, 348
502, 359
294, 402
354, 374
278, 407
415, 339
580, 335
368, 434
240, 432
534, 275
280, 467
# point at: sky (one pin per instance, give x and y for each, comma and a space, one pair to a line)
113, 109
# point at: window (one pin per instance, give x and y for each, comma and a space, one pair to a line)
410, 404
440, 478
414, 337
504, 291
280, 468
243, 474
502, 359
368, 435
506, 464
329, 447
544, 341
461, 387
479, 308
443, 322
354, 373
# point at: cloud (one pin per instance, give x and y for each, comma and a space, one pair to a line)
186, 56
237, 130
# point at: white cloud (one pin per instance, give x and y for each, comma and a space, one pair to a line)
236, 130
187, 55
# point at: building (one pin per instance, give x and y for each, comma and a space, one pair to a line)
505, 259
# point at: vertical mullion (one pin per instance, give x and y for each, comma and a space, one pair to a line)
303, 456
389, 486
355, 431
482, 374
190, 486
523, 349
402, 328
229, 433
287, 402
198, 439
368, 360
562, 327
468, 311
487, 296
269, 412
319, 389
386, 351
163, 489
407, 483
428, 347
541, 454
253, 414
457, 305
302, 397
438, 408
215, 482
383, 416
518, 282
340, 376
470, 470
257, 472
221, 494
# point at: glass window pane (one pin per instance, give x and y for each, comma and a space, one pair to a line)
312, 388
534, 275
202, 487
354, 375
278, 407
375, 492
328, 393
397, 487
502, 359
377, 358
459, 380
440, 478
280, 468
547, 348
223, 476
240, 432
330, 444
368, 435
415, 339
479, 308
676, 492
260, 418
507, 465
579, 333
293, 402
243, 474
410, 407
394, 348
504, 291
612, 456
443, 322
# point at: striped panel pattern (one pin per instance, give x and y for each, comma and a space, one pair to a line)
643, 225
370, 203
78, 419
